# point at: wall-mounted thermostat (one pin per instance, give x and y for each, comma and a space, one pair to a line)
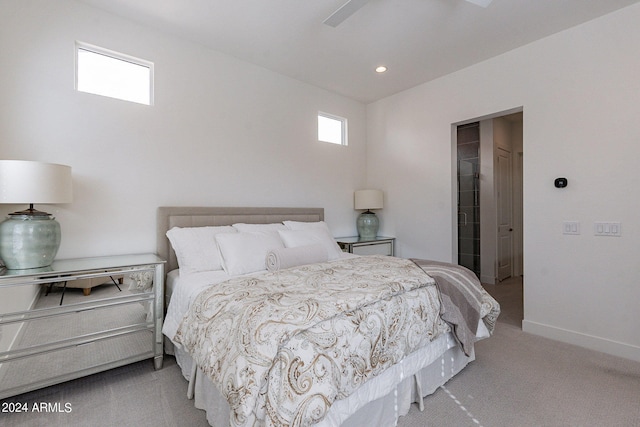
560, 182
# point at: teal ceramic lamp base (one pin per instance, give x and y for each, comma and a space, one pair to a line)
29, 239
367, 225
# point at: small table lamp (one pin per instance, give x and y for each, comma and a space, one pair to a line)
368, 221
31, 238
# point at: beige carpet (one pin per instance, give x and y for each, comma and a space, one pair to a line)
520, 379
517, 379
509, 295
523, 380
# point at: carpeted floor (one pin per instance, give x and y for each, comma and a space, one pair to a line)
517, 379
509, 294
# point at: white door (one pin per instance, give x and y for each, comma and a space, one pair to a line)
505, 214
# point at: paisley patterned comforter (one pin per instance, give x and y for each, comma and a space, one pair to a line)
282, 346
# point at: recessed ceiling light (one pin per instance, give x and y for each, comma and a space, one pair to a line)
381, 69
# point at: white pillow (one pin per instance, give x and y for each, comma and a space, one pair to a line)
196, 248
300, 225
246, 252
259, 227
310, 236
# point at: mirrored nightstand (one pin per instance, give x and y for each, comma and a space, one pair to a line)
46, 339
380, 245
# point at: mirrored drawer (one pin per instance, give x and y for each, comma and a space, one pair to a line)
374, 249
43, 369
40, 329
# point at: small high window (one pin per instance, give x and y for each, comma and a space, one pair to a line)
332, 129
104, 72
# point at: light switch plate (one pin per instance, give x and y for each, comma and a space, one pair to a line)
607, 228
570, 227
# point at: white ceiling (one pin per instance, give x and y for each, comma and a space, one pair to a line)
418, 40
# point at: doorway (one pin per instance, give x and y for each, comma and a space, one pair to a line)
489, 210
489, 157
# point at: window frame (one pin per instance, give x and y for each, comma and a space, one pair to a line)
343, 131
79, 45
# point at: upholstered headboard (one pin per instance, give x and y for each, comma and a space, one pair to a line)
196, 216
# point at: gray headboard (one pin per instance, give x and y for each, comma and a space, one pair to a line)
197, 216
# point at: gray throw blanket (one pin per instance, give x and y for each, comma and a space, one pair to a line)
462, 297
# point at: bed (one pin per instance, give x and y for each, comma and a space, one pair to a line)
308, 374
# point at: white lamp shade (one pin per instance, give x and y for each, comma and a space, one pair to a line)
23, 181
368, 199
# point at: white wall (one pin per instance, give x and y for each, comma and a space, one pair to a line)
221, 133
579, 90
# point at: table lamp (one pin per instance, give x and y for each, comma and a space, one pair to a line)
31, 238
368, 223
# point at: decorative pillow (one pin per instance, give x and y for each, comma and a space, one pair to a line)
196, 248
310, 236
246, 252
281, 258
259, 227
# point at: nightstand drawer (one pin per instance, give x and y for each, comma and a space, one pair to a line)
379, 245
374, 249
68, 362
43, 327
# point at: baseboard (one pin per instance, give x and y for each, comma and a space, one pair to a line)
591, 342
490, 280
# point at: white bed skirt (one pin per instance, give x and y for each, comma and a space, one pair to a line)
379, 402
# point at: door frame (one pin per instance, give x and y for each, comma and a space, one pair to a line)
454, 159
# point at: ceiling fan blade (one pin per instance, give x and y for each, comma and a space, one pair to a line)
345, 11
481, 3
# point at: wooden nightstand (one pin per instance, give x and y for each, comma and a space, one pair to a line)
380, 245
